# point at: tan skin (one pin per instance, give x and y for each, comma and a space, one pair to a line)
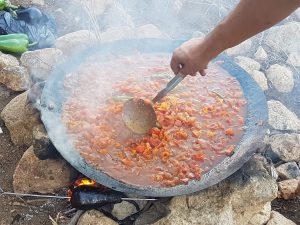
249, 18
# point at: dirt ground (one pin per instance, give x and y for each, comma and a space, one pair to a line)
17, 211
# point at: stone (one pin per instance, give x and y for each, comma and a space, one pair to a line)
12, 75
35, 176
15, 78
75, 42
294, 59
148, 31
241, 49
123, 210
278, 219
20, 119
42, 145
262, 217
117, 33
289, 189
288, 170
94, 217
281, 78
260, 54
284, 38
235, 200
260, 79
247, 64
281, 118
286, 146
28, 2
40, 63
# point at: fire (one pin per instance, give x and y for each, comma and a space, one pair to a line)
84, 182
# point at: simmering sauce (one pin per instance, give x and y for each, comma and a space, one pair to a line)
199, 123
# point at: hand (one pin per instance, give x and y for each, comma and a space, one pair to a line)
190, 58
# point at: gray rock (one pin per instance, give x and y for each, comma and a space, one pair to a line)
12, 74
284, 38
294, 59
28, 2
148, 31
262, 217
47, 176
281, 78
289, 189
15, 78
278, 219
233, 201
75, 42
286, 146
241, 49
247, 64
260, 78
123, 210
288, 170
281, 118
94, 217
20, 119
42, 145
117, 33
40, 63
260, 54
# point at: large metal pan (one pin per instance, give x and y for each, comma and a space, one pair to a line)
54, 95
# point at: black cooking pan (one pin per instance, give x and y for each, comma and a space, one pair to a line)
54, 95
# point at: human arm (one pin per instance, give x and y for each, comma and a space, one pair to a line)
249, 18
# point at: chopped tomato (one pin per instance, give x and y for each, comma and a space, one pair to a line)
127, 162
229, 151
198, 157
229, 132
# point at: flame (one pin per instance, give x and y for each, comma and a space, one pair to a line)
84, 182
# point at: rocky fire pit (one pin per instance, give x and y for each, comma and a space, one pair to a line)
272, 59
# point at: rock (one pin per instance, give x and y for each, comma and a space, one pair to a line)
12, 75
247, 64
284, 38
262, 217
7, 60
75, 42
117, 33
148, 31
42, 146
294, 59
94, 217
15, 78
281, 77
281, 118
278, 219
233, 201
286, 146
28, 2
123, 210
48, 176
260, 54
289, 189
20, 119
260, 78
40, 63
288, 170
241, 49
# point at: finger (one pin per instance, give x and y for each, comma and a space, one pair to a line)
203, 72
175, 64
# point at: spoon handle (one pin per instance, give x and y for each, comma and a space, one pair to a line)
170, 86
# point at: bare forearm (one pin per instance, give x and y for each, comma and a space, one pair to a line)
249, 18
